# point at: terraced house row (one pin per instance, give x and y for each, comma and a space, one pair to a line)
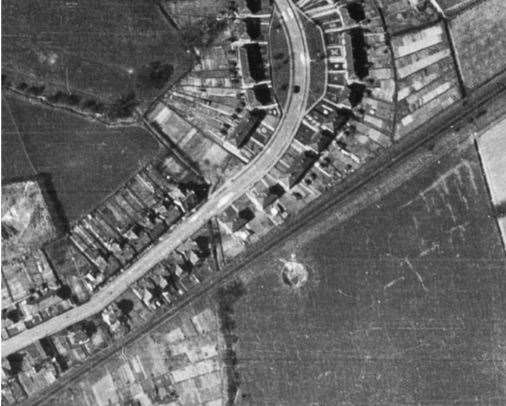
367, 92
223, 112
378, 70
102, 243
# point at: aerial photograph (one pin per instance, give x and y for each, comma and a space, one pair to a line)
253, 202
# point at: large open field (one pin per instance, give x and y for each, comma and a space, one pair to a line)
97, 47
404, 303
479, 34
15, 161
85, 160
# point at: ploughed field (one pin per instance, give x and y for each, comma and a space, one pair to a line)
403, 303
85, 160
98, 48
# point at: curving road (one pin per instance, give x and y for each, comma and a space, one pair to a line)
224, 196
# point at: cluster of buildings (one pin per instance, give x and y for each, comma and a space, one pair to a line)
346, 124
214, 117
126, 223
47, 277
30, 371
30, 286
31, 289
368, 90
26, 374
167, 282
178, 363
30, 293
223, 112
375, 92
352, 120
352, 117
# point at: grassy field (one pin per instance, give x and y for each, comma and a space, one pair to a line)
280, 60
89, 47
280, 64
15, 161
318, 70
479, 34
85, 160
402, 306
186, 13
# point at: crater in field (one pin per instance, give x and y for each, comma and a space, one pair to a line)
294, 273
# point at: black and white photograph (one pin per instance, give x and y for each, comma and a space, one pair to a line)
253, 202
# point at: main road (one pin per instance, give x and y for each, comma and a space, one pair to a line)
233, 188
411, 155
